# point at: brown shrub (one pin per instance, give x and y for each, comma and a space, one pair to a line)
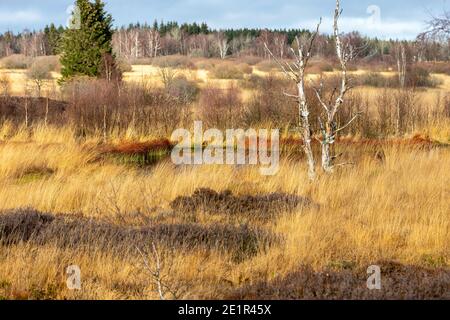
250, 60
124, 65
50, 63
39, 71
319, 66
129, 148
182, 89
398, 282
269, 104
229, 70
5, 84
220, 108
101, 106
13, 110
417, 76
435, 67
16, 61
175, 61
138, 153
261, 207
267, 66
26, 225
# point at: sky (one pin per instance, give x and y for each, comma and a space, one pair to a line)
396, 19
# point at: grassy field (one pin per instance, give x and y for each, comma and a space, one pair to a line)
391, 210
234, 233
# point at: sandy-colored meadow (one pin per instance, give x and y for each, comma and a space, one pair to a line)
381, 210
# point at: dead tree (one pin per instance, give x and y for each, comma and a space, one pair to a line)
222, 45
328, 124
296, 72
154, 43
438, 27
401, 64
401, 69
154, 272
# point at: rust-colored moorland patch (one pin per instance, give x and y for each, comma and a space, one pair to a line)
140, 153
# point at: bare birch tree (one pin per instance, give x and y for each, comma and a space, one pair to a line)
222, 45
296, 72
328, 124
401, 69
154, 42
438, 27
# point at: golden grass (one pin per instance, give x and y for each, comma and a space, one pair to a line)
396, 210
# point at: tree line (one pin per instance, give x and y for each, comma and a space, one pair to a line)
198, 39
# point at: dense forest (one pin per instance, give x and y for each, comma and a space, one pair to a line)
138, 41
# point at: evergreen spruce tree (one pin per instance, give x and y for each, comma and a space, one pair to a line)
87, 48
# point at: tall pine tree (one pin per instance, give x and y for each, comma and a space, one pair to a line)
86, 50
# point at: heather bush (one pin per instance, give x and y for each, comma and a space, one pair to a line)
27, 225
259, 207
349, 283
374, 79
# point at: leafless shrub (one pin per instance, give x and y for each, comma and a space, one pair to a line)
38, 72
5, 84
16, 61
435, 67
220, 108
51, 63
124, 65
183, 90
101, 106
167, 76
268, 104
12, 109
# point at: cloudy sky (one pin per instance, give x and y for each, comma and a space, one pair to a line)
382, 18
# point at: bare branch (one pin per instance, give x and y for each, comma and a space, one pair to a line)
155, 273
296, 97
318, 93
349, 123
291, 74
